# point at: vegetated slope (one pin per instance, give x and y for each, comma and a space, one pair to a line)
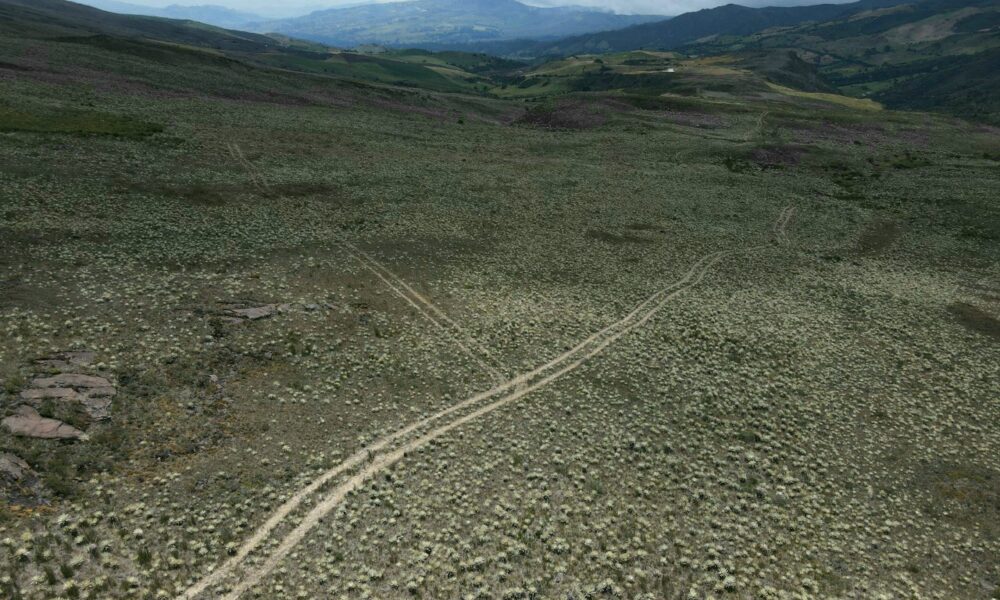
731, 19
220, 16
932, 55
172, 40
436, 22
816, 418
50, 17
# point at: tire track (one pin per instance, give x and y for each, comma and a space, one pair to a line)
428, 309
780, 228
423, 305
505, 394
258, 180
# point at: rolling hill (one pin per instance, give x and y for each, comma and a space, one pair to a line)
445, 22
174, 40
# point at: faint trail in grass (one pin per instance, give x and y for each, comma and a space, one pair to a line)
504, 394
427, 309
758, 130
780, 228
258, 180
479, 354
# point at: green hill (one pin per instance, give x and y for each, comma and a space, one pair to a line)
931, 55
731, 19
168, 40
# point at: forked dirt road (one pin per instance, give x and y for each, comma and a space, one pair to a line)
372, 461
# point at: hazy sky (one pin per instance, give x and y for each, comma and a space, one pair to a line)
656, 7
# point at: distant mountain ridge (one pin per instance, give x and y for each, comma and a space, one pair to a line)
669, 34
220, 16
437, 22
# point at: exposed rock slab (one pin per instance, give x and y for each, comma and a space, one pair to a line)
35, 395
256, 313
27, 422
72, 380
95, 401
67, 361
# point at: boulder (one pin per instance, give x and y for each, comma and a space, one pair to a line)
27, 422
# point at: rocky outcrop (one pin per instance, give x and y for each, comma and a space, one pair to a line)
64, 362
19, 484
27, 422
243, 314
93, 393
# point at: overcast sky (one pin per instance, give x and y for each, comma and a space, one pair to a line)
653, 7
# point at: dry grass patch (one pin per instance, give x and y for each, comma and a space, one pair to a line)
975, 319
878, 236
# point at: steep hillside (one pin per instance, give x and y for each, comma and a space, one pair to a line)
435, 22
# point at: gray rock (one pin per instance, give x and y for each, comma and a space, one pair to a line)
27, 422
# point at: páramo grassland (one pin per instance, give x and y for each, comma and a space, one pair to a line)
302, 335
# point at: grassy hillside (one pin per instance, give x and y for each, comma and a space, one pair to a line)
688, 334
169, 40
731, 19
931, 55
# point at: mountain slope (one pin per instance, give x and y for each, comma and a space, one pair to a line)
730, 19
421, 22
49, 17
930, 55
220, 16
187, 42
